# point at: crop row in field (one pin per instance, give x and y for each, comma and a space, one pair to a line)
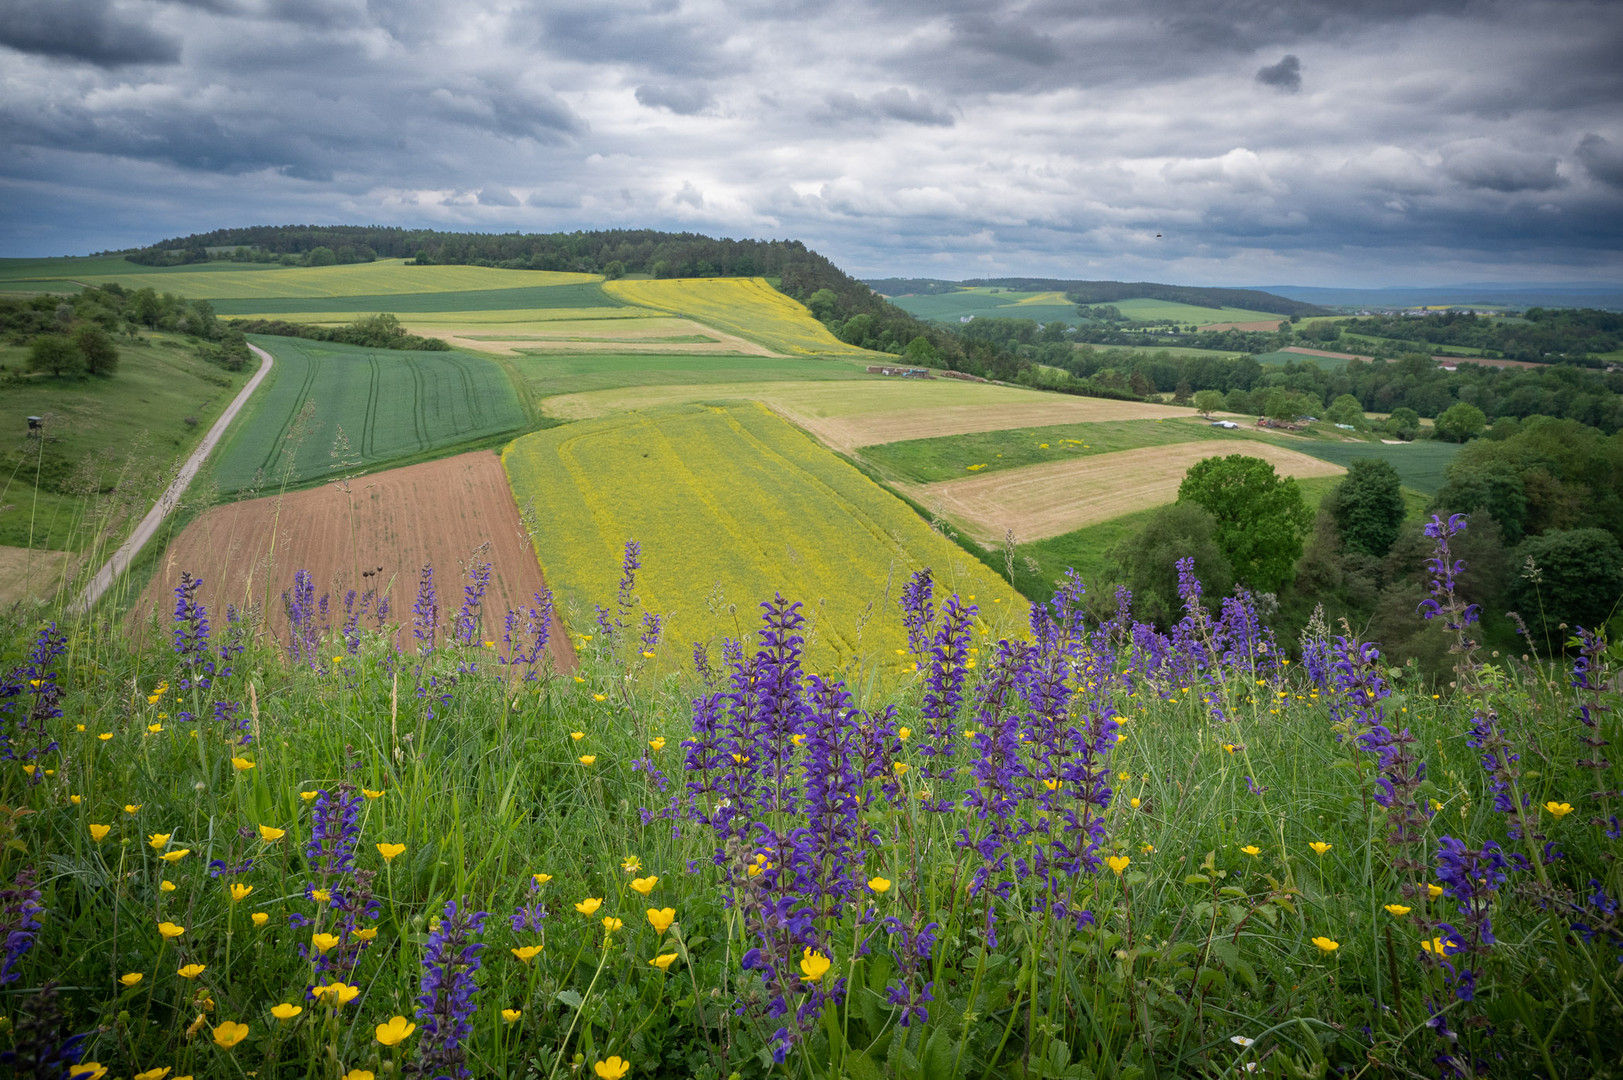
387, 404
748, 307
386, 276
538, 297
731, 505
926, 461
656, 378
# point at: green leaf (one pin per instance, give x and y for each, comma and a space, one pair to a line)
1197, 879
570, 998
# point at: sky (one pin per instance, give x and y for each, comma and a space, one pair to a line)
1220, 142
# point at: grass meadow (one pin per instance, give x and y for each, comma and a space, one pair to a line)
328, 409
1420, 465
1057, 849
540, 297
730, 503
224, 281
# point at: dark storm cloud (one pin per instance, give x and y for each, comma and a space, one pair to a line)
686, 100
90, 31
1285, 76
946, 137
1602, 159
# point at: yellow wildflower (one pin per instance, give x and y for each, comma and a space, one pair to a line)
588, 759
158, 839
1558, 809
612, 1069
879, 884
260, 918
644, 885
527, 953
589, 906
389, 851
286, 1011
131, 978
396, 1031
661, 918
1319, 847
1117, 863
176, 855
98, 833
611, 924
271, 835
230, 1034
512, 1015
1398, 909
664, 961
241, 764
239, 892
813, 965
191, 971
1326, 945
324, 942
657, 743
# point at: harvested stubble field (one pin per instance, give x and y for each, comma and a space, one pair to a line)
393, 277
731, 505
453, 514
388, 404
748, 307
655, 334
1046, 500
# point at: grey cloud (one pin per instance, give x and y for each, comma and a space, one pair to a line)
689, 100
1285, 76
657, 35
894, 104
91, 31
512, 111
496, 196
1602, 158
1010, 39
1482, 163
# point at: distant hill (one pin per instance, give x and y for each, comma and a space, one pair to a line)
1607, 297
1108, 292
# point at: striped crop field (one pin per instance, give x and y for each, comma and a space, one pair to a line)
731, 505
384, 277
748, 307
387, 405
538, 296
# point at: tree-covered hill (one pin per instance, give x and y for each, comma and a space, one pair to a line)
1108, 292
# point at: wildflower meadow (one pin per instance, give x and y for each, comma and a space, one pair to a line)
403, 844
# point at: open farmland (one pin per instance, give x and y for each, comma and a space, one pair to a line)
394, 277
731, 505
1420, 465
983, 302
541, 296
1171, 311
453, 514
389, 405
927, 461
1046, 500
655, 333
748, 307
30, 575
666, 376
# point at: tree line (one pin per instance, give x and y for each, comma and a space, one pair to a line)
77, 335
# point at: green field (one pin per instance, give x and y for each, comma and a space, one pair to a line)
103, 434
984, 303
1171, 311
549, 374
390, 405
1419, 464
926, 461
730, 504
1281, 358
222, 281
78, 268
586, 294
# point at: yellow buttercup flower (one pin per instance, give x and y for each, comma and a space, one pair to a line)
104, 736
1319, 847
900, 768
176, 855
239, 892
396, 1031
577, 735
389, 851
154, 1074
370, 794
631, 864
644, 885
158, 839
320, 896
309, 796
904, 733
1252, 850
541, 879
1148, 849
1433, 891
241, 764
879, 884
170, 930
1558, 809
324, 942
1117, 863
527, 953
98, 833
813, 965
612, 1069
611, 924
600, 697
1398, 909
87, 1070
154, 727
75, 799
589, 906
661, 918
512, 1015
271, 835
260, 918
339, 992
657, 744
166, 886
191, 971
230, 1033
286, 1011
365, 935
588, 759
1326, 945
359, 1074
664, 961
131, 978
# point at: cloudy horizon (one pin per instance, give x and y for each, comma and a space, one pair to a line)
1230, 142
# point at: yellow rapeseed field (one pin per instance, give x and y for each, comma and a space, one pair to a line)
748, 307
732, 504
384, 277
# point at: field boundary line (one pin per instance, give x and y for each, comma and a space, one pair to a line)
166, 503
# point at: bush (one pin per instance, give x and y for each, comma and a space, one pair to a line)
1573, 578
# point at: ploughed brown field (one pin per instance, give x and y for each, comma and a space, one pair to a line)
452, 514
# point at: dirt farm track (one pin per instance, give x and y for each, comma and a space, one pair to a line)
450, 514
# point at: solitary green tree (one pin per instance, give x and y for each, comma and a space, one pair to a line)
1261, 518
1208, 401
1148, 560
97, 348
1572, 577
1460, 422
57, 354
1369, 507
1347, 409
